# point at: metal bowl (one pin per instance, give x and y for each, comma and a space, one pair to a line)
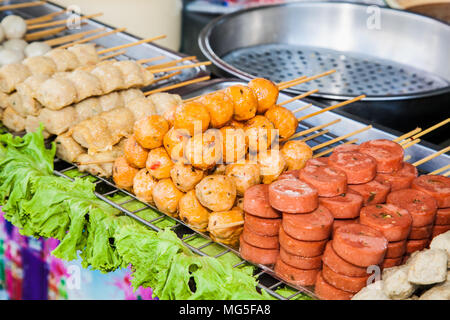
384, 53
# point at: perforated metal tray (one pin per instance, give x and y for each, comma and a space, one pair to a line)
384, 53
142, 51
267, 279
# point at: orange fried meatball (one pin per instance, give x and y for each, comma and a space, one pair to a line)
216, 192
234, 144
174, 142
236, 124
192, 212
159, 163
244, 175
245, 102
220, 107
204, 151
143, 184
272, 164
166, 197
260, 133
296, 153
283, 120
135, 154
185, 176
266, 92
123, 173
149, 131
192, 116
226, 226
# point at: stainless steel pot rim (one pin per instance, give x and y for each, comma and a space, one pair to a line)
205, 47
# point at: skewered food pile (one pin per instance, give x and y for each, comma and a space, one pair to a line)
195, 160
372, 204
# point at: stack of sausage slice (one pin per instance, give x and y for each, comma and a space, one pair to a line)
259, 240
305, 229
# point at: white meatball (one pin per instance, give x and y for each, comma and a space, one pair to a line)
2, 34
15, 44
8, 56
14, 27
37, 48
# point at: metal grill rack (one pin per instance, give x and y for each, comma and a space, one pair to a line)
142, 51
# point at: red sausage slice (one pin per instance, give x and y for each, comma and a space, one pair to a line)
256, 202
346, 283
314, 226
373, 192
262, 226
293, 196
343, 222
339, 265
291, 174
391, 262
306, 263
420, 205
257, 255
321, 161
326, 291
437, 230
442, 217
401, 179
360, 245
346, 148
395, 249
328, 181
388, 154
301, 248
436, 186
259, 241
394, 222
295, 276
416, 245
345, 206
418, 233
359, 167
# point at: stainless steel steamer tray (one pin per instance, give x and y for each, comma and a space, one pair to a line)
146, 50
384, 53
265, 275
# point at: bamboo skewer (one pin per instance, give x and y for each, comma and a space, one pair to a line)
290, 81
318, 134
437, 171
431, 156
44, 33
98, 36
22, 5
304, 132
407, 135
178, 85
171, 63
446, 174
60, 22
302, 108
407, 158
132, 44
295, 83
320, 154
44, 18
95, 162
437, 125
320, 146
112, 55
147, 60
71, 37
344, 103
413, 142
301, 96
188, 66
170, 75
228, 225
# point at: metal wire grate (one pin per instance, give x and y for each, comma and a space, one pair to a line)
355, 73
